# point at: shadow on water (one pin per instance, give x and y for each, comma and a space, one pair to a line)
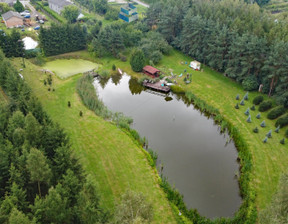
199, 160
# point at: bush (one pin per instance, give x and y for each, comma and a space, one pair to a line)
113, 67
265, 105
258, 99
237, 106
250, 83
276, 112
282, 141
282, 121
256, 130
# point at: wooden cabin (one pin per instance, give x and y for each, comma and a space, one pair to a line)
151, 71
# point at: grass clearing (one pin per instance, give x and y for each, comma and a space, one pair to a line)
107, 153
65, 68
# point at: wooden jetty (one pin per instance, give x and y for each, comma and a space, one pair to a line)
156, 86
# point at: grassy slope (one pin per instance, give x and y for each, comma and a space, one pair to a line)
107, 153
270, 159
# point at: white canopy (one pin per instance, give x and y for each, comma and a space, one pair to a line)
29, 43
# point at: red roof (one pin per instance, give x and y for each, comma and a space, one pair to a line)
150, 69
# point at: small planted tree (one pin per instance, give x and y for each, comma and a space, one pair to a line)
263, 124
236, 106
242, 103
282, 141
247, 112
256, 130
258, 116
237, 97
277, 129
253, 107
249, 119
269, 134
81, 113
265, 140
246, 96
69, 104
113, 67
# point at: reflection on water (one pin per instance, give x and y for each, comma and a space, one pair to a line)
197, 159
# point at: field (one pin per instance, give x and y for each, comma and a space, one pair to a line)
108, 154
68, 67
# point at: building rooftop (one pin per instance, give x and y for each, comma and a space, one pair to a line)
11, 14
60, 3
150, 69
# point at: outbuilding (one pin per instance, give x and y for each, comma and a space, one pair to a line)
58, 5
12, 19
196, 65
151, 71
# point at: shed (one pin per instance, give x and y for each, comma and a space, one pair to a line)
151, 71
12, 19
58, 5
196, 65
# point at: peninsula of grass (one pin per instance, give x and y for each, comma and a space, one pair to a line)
68, 67
115, 161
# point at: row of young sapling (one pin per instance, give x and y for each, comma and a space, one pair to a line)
258, 116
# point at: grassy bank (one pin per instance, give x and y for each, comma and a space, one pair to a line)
269, 159
114, 160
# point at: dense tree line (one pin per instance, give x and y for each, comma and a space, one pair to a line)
230, 36
11, 44
62, 38
41, 181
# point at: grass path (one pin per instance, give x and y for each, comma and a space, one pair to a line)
270, 159
106, 152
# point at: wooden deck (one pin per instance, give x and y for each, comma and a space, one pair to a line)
156, 86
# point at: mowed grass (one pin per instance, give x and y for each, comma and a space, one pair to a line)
270, 159
107, 153
65, 68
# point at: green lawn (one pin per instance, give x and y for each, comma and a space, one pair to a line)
107, 153
270, 159
68, 67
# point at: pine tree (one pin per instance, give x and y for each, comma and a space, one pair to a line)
256, 130
277, 129
282, 141
258, 116
237, 97
137, 61
253, 107
236, 106
247, 112
263, 124
269, 134
242, 102
246, 96
265, 139
249, 119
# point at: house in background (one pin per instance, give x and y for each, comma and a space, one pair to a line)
9, 2
12, 19
58, 5
128, 13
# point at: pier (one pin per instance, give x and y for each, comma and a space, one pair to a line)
156, 86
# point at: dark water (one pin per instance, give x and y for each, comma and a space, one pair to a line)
196, 157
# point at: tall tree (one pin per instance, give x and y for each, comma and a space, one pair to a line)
70, 13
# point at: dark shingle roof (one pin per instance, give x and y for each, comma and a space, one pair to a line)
60, 3
10, 14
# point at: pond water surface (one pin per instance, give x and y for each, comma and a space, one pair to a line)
196, 157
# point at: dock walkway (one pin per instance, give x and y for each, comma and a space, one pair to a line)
156, 86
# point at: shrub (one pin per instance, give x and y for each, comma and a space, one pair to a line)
265, 140
246, 96
256, 130
113, 67
276, 112
249, 119
282, 121
236, 106
258, 116
277, 129
81, 113
258, 99
250, 83
263, 124
242, 103
69, 104
247, 112
282, 141
237, 97
269, 134
265, 105
253, 107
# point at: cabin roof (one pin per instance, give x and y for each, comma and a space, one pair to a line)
10, 14
150, 69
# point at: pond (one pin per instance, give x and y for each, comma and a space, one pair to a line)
68, 67
198, 160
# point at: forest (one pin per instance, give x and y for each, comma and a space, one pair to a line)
41, 180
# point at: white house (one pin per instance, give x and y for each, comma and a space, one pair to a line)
58, 5
196, 65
